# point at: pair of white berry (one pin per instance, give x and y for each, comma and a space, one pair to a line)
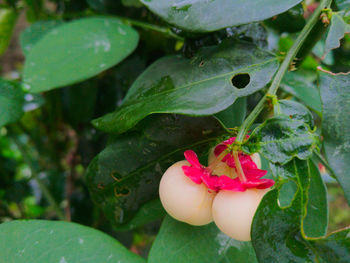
194, 204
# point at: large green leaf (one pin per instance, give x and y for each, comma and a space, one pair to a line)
278, 233
335, 95
280, 139
178, 242
149, 212
32, 34
11, 102
234, 115
301, 85
204, 16
316, 218
76, 51
343, 4
337, 31
7, 22
198, 86
290, 21
296, 111
138, 159
37, 241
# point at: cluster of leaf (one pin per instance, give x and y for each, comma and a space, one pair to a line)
123, 58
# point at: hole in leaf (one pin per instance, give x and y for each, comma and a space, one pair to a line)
240, 80
121, 192
116, 176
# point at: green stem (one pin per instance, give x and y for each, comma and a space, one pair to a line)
239, 169
47, 194
282, 70
137, 23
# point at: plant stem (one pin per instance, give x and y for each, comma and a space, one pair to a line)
164, 30
239, 169
282, 70
47, 194
217, 160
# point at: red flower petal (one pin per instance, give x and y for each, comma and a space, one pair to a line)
193, 173
192, 158
200, 174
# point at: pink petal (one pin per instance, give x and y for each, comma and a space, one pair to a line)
253, 174
227, 183
219, 149
193, 173
192, 158
266, 183
211, 181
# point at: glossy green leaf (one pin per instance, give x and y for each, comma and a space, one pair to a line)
316, 220
198, 86
180, 242
278, 233
32, 34
290, 21
280, 139
337, 30
343, 4
296, 111
76, 51
7, 22
11, 102
126, 174
35, 241
204, 16
335, 95
301, 85
149, 212
234, 115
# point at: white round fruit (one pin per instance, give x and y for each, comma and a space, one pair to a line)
183, 199
233, 212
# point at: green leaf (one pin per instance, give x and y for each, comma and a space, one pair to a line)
205, 16
149, 212
180, 242
234, 115
8, 19
76, 51
126, 174
32, 34
300, 84
34, 241
335, 95
11, 102
296, 111
280, 139
198, 86
337, 31
316, 220
291, 21
277, 233
343, 4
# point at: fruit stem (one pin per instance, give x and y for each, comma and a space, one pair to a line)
282, 69
218, 159
239, 169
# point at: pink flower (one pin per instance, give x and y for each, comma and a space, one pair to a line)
201, 174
